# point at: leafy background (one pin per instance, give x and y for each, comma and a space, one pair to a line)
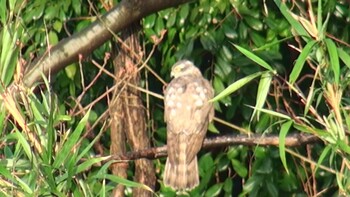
281, 68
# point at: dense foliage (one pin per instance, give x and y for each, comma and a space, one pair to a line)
281, 68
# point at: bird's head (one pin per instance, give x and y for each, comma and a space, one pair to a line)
184, 68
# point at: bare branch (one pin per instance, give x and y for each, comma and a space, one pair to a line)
291, 140
83, 43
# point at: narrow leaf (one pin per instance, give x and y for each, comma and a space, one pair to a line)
88, 148
72, 140
263, 90
122, 181
88, 163
235, 86
334, 59
344, 56
254, 58
282, 139
292, 21
323, 156
300, 62
24, 143
273, 113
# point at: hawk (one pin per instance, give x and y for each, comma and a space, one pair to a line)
187, 113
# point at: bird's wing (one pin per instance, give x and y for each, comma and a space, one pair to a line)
187, 114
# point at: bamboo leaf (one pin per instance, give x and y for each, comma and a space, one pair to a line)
345, 57
263, 90
235, 86
334, 59
72, 140
254, 58
282, 139
300, 62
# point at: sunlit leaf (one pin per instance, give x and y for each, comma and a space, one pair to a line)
254, 58
235, 86
263, 90
345, 57
214, 190
334, 59
273, 113
282, 141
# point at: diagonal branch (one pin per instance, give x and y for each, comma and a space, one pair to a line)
83, 43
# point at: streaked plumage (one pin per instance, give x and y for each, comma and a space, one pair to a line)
187, 114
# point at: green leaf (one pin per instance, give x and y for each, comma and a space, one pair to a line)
257, 39
344, 56
271, 187
88, 163
273, 113
171, 20
53, 38
51, 12
159, 26
14, 178
122, 181
235, 86
72, 140
282, 142
300, 61
184, 11
3, 12
323, 156
254, 23
239, 168
232, 153
208, 41
206, 162
51, 133
334, 59
319, 20
214, 190
9, 53
76, 4
228, 185
343, 146
57, 26
254, 58
213, 129
310, 96
149, 21
294, 23
71, 71
263, 90
88, 147
25, 145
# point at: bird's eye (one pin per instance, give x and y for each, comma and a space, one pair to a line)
177, 69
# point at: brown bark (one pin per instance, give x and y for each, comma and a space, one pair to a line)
292, 140
128, 115
81, 44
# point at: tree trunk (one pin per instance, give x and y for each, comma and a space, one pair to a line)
128, 114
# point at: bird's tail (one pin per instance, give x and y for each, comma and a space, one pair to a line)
181, 176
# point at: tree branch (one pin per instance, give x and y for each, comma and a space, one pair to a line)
291, 140
83, 43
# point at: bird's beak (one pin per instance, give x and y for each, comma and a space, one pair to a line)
172, 74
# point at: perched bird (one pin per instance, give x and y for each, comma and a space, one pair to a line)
187, 114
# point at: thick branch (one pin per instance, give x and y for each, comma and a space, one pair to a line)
291, 140
83, 43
